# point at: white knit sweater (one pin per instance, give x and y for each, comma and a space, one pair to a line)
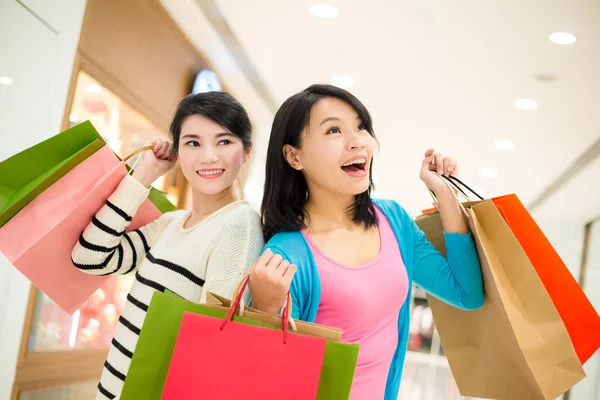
211, 256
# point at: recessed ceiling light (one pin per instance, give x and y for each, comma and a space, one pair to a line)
562, 38
489, 173
526, 104
74, 117
504, 144
323, 11
93, 88
5, 80
342, 81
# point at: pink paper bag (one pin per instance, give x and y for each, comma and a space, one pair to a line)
40, 238
240, 361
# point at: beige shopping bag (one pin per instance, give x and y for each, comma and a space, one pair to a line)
516, 346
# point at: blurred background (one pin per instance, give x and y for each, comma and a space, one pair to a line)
510, 88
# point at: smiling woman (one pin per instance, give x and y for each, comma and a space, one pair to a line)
187, 252
356, 258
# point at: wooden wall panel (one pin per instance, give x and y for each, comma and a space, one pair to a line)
139, 53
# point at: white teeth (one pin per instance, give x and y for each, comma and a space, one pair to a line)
357, 161
211, 172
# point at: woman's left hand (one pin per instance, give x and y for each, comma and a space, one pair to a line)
436, 164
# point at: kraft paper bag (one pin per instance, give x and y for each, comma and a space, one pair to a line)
516, 347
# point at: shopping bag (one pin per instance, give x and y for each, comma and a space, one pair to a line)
40, 238
516, 347
152, 356
577, 312
243, 361
28, 173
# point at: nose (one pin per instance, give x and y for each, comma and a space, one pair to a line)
355, 141
209, 154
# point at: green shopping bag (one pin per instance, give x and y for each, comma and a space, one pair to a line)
150, 364
27, 174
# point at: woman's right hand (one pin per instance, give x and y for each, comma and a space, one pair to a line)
270, 279
156, 162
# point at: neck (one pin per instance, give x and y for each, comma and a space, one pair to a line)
327, 210
205, 204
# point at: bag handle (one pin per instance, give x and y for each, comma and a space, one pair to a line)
238, 295
138, 151
452, 186
456, 182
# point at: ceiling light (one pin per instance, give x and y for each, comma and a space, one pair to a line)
74, 117
504, 144
526, 104
489, 173
94, 88
562, 38
323, 11
5, 80
342, 81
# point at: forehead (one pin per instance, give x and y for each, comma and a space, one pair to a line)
200, 125
331, 107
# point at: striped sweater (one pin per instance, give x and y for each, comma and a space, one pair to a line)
211, 256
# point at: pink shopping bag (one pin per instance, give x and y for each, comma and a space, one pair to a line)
216, 358
39, 239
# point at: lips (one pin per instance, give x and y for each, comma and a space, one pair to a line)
356, 165
210, 173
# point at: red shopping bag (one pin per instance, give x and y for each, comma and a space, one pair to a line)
40, 238
577, 312
575, 309
225, 359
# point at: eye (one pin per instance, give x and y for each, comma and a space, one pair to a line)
192, 143
224, 142
333, 130
362, 127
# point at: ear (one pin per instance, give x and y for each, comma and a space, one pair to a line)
247, 153
291, 155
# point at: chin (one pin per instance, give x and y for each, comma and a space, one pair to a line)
210, 189
357, 189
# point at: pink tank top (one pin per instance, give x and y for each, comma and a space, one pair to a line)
364, 302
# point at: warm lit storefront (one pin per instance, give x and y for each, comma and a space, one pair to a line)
132, 66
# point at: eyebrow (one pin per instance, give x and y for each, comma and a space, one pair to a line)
334, 119
196, 136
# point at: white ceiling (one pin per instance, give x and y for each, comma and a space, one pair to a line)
438, 73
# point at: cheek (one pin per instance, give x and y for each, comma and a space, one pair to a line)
186, 159
324, 157
233, 157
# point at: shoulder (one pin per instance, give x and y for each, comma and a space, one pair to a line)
288, 244
401, 221
170, 217
240, 218
391, 209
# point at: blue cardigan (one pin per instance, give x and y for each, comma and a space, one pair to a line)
455, 280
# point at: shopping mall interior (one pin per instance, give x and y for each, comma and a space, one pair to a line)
510, 89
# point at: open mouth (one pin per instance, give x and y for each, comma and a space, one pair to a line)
356, 166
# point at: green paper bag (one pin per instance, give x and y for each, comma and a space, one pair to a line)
150, 364
28, 173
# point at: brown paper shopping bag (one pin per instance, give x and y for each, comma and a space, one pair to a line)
516, 346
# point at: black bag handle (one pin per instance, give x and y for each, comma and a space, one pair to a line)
457, 183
